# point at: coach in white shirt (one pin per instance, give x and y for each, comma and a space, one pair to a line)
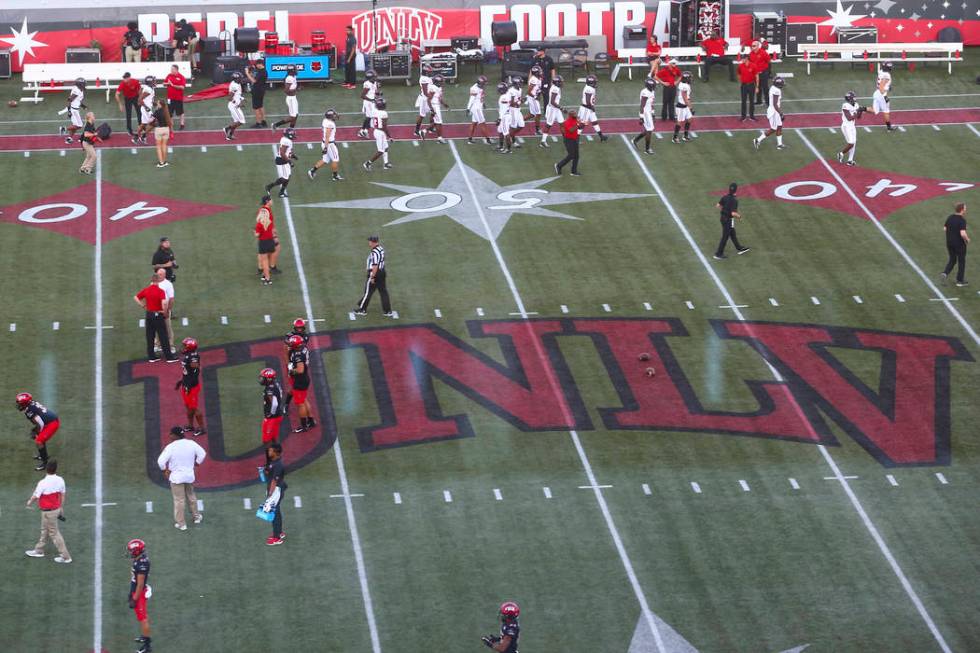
177, 462
50, 497
167, 286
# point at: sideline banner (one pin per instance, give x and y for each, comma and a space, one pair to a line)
308, 67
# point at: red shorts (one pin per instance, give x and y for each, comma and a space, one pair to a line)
140, 607
299, 396
270, 429
190, 396
47, 432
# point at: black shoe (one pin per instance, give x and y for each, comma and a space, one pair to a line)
172, 359
603, 138
576, 174
942, 277
188, 428
311, 423
200, 432
41, 466
257, 125
358, 311
303, 428
675, 140
743, 250
960, 284
275, 270
267, 282
648, 151
469, 141
557, 169
719, 257
153, 360
283, 194
38, 458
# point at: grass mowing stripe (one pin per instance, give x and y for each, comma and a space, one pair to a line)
338, 455
855, 502
894, 243
586, 465
99, 417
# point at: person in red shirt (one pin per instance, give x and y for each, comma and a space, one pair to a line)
667, 77
570, 130
265, 233
761, 59
154, 300
128, 91
176, 83
714, 55
749, 77
653, 54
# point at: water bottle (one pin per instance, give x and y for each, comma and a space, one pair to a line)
261, 474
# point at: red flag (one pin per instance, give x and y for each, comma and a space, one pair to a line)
214, 92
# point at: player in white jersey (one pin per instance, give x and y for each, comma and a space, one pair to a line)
534, 86
75, 106
290, 86
234, 106
516, 116
850, 113
369, 93
552, 112
503, 120
476, 106
329, 151
382, 138
880, 102
647, 101
437, 102
586, 113
422, 103
146, 98
775, 115
684, 111
284, 162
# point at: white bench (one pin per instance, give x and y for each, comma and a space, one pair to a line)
880, 52
97, 76
683, 56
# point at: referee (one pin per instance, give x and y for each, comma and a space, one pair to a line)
729, 213
154, 300
570, 130
377, 279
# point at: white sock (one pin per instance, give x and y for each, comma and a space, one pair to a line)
850, 156
544, 137
596, 128
762, 137
779, 139
384, 156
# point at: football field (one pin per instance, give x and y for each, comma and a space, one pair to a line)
793, 466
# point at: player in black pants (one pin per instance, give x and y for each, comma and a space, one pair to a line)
729, 213
956, 242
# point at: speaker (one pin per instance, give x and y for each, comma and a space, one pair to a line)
212, 44
104, 131
247, 39
224, 66
503, 32
4, 64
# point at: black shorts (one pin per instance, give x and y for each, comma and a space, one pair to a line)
267, 246
176, 107
258, 99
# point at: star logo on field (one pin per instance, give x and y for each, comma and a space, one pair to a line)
23, 41
452, 198
841, 17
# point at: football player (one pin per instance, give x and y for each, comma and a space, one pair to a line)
422, 103
552, 113
299, 329
274, 474
382, 137
647, 100
774, 113
880, 102
329, 149
75, 106
503, 119
476, 106
437, 103
45, 423
369, 92
273, 408
284, 162
685, 108
586, 114
299, 382
534, 82
140, 591
189, 385
850, 113
510, 630
146, 99
516, 117
290, 86
234, 106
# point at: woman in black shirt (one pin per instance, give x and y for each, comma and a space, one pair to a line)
162, 128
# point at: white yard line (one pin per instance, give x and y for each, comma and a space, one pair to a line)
338, 455
99, 416
973, 129
586, 465
838, 475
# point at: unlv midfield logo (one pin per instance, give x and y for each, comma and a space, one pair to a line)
904, 421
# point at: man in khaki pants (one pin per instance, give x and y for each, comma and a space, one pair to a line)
177, 462
89, 137
50, 496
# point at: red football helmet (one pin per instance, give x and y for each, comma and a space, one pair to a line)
509, 611
294, 342
267, 376
23, 399
135, 548
299, 324
190, 344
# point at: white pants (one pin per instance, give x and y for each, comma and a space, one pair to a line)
437, 114
381, 140
75, 116
422, 104
775, 120
849, 129
367, 108
504, 126
476, 115
880, 103
292, 105
237, 115
516, 119
683, 115
332, 153
146, 115
647, 118
587, 115
284, 170
533, 106
552, 115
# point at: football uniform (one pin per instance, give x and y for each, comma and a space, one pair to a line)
503, 109
45, 421
300, 383
683, 112
329, 147
775, 97
75, 106
290, 83
235, 102
516, 117
646, 114
377, 122
422, 101
476, 103
272, 410
141, 565
586, 113
880, 99
435, 103
283, 168
513, 630
190, 381
146, 107
848, 127
552, 114
367, 104
534, 95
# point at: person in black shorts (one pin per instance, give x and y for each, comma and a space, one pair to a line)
257, 78
729, 214
956, 242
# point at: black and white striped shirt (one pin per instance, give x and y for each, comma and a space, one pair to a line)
376, 257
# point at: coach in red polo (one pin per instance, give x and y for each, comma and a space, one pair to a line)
667, 76
714, 55
748, 75
762, 60
154, 300
128, 91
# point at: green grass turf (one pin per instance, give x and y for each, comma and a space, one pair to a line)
764, 570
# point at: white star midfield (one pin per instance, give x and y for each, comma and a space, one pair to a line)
841, 18
451, 199
23, 41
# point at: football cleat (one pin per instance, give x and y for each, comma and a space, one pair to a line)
366, 165
755, 143
840, 157
388, 166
